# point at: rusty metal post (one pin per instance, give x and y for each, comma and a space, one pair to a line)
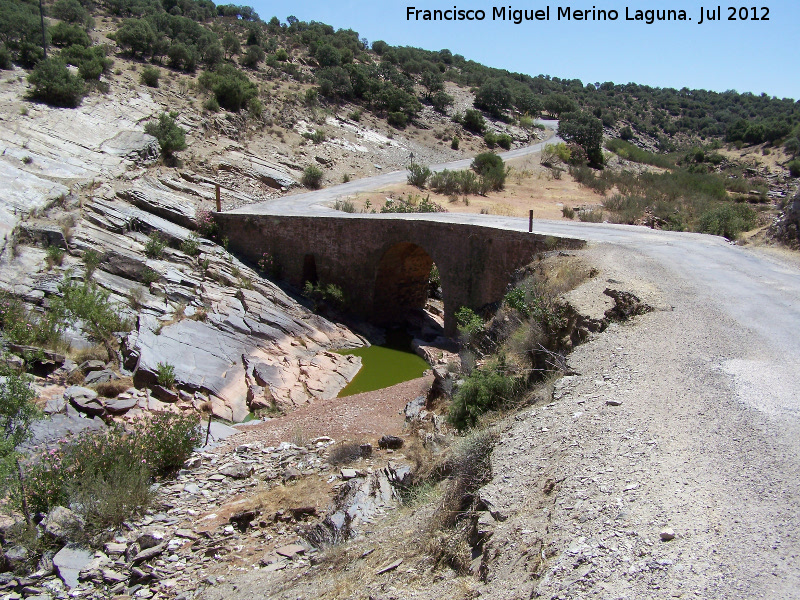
530, 221
219, 202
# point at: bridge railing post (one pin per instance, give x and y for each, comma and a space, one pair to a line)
219, 201
530, 221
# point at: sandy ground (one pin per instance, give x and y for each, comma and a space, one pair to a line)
361, 417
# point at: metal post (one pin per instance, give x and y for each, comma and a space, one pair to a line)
219, 202
44, 42
530, 221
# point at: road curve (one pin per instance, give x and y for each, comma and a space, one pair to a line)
315, 203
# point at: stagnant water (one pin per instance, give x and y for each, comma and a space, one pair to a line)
388, 364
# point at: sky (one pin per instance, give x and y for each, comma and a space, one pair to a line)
758, 56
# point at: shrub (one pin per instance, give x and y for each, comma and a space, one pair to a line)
312, 177
255, 109
53, 84
490, 139
149, 276
17, 412
281, 55
170, 136
728, 220
591, 216
490, 387
155, 244
69, 35
567, 212
55, 256
88, 305
626, 133
454, 143
397, 119
150, 76
492, 171
794, 168
211, 104
91, 258
22, 327
232, 88
166, 375
504, 141
517, 300
5, 58
70, 11
473, 120
106, 474
191, 245
345, 205
252, 57
418, 175
206, 225
321, 294
469, 323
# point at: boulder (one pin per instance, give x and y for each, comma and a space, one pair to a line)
118, 407
133, 145
69, 562
390, 442
84, 400
64, 524
95, 377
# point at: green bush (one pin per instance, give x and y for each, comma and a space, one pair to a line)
87, 305
312, 177
252, 57
5, 58
469, 323
473, 120
504, 141
492, 171
517, 300
490, 139
155, 244
452, 183
17, 412
106, 474
232, 88
150, 76
191, 245
70, 11
490, 387
418, 175
414, 204
22, 327
397, 119
728, 220
170, 136
53, 84
454, 143
166, 375
211, 104
320, 294
794, 168
69, 35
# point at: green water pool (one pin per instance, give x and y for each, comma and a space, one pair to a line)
385, 365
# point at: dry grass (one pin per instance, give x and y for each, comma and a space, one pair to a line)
94, 353
112, 389
305, 492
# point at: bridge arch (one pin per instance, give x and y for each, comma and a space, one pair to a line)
401, 282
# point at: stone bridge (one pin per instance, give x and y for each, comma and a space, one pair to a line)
383, 264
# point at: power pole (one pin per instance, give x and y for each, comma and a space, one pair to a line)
41, 15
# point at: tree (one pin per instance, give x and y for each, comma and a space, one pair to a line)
527, 103
69, 35
230, 43
53, 84
586, 131
433, 83
71, 11
252, 57
232, 88
137, 36
558, 104
441, 100
328, 56
493, 96
171, 137
474, 121
334, 82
